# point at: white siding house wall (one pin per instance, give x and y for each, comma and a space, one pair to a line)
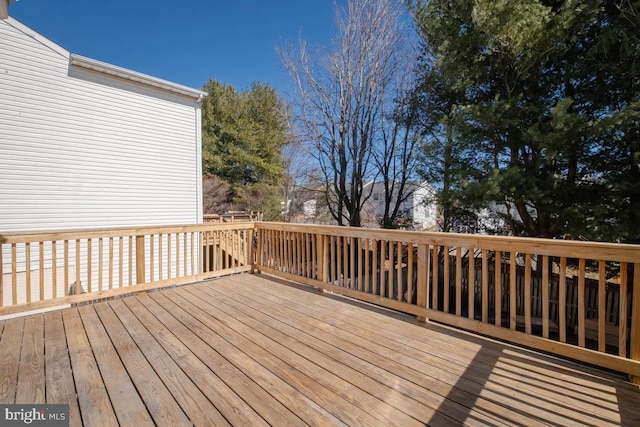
80, 148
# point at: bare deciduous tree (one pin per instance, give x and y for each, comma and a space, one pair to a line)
216, 195
344, 95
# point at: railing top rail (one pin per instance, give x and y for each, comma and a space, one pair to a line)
620, 252
89, 233
562, 248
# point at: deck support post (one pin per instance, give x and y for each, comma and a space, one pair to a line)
635, 320
140, 267
423, 279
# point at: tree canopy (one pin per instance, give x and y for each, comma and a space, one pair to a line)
537, 104
243, 134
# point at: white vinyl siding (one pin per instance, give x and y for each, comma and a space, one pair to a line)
82, 149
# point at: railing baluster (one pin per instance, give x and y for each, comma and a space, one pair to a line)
120, 261
314, 265
527, 293
293, 252
622, 322
635, 320
152, 257
260, 258
216, 251
513, 315
458, 281
367, 265
185, 254
374, 266
472, 283
193, 254
581, 302
295, 247
389, 273
110, 263
434, 278
41, 268
207, 254
177, 254
78, 268
169, 257
485, 286
399, 271
423, 278
545, 296
140, 259
325, 259
54, 269
498, 288
446, 274
352, 262
410, 273
66, 268
130, 261
283, 251
14, 274
383, 266
89, 250
562, 299
231, 248
100, 262
27, 251
602, 288
308, 256
160, 240
296, 252
341, 264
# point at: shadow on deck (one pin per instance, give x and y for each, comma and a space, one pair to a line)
251, 350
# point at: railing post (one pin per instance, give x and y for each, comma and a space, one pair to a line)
140, 266
635, 319
423, 279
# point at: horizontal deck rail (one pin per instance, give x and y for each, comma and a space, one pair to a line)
574, 299
44, 269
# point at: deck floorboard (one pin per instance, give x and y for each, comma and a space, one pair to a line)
252, 350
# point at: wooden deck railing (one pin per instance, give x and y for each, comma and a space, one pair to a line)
42, 269
574, 299
522, 290
233, 217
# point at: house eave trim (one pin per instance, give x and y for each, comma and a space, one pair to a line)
140, 78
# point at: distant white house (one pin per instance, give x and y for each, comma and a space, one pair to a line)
88, 144
418, 210
309, 209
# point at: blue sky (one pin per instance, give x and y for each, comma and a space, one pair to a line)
188, 41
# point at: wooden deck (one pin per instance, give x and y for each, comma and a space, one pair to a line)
248, 350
